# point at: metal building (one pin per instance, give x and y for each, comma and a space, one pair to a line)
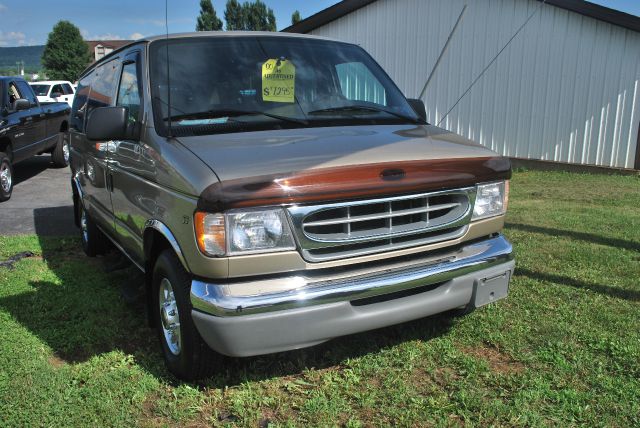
565, 88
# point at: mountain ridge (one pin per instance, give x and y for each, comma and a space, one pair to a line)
31, 55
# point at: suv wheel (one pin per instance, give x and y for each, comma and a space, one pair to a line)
60, 153
93, 240
186, 355
6, 177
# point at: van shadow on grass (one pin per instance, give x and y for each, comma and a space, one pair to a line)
81, 314
581, 236
538, 274
619, 293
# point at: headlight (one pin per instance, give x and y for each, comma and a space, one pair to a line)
258, 231
491, 200
243, 232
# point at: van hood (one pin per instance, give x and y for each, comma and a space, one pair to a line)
301, 165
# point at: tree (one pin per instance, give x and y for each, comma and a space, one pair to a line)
234, 16
66, 53
295, 17
259, 17
208, 20
249, 16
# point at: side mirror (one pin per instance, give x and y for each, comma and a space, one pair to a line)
108, 123
418, 106
56, 94
21, 104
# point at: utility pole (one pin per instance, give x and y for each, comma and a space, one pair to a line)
20, 67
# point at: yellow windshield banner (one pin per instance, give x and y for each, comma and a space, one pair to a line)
278, 81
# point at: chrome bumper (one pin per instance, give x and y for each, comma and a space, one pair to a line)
223, 300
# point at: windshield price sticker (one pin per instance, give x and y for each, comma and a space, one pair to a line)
278, 81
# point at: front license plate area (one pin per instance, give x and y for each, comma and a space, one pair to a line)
488, 290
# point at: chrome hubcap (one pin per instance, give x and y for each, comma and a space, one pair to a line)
65, 149
5, 177
169, 317
83, 226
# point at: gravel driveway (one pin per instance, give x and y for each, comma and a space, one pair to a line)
41, 201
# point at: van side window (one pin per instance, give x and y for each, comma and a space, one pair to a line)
129, 92
103, 86
359, 84
79, 108
68, 90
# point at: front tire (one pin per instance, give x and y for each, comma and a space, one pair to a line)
93, 240
6, 177
186, 355
60, 153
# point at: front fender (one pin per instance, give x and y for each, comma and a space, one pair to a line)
158, 226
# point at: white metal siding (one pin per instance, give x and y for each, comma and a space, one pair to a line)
566, 89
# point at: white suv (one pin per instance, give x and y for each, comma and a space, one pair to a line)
54, 91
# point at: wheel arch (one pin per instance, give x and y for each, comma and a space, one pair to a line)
6, 146
157, 237
77, 199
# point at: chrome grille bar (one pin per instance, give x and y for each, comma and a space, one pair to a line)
389, 214
348, 229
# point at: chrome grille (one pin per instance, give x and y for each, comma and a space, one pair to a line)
349, 229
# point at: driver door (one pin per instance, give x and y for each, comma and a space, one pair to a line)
132, 166
27, 135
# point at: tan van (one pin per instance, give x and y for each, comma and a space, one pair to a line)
278, 191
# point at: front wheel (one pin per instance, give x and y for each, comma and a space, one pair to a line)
60, 153
186, 355
93, 240
6, 177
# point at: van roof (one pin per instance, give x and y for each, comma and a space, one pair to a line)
51, 82
231, 34
205, 34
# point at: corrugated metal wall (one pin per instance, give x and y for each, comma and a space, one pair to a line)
566, 89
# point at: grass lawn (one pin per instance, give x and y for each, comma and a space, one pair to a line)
563, 349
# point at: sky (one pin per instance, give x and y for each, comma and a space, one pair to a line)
24, 23
29, 22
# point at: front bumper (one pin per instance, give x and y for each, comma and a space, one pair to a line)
315, 308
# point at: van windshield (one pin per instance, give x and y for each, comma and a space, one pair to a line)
231, 84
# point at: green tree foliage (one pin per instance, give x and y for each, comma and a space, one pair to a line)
66, 54
208, 20
249, 16
295, 17
234, 16
259, 17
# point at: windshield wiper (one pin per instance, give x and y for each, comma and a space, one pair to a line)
233, 113
360, 108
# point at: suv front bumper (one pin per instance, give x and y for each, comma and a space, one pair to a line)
315, 308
